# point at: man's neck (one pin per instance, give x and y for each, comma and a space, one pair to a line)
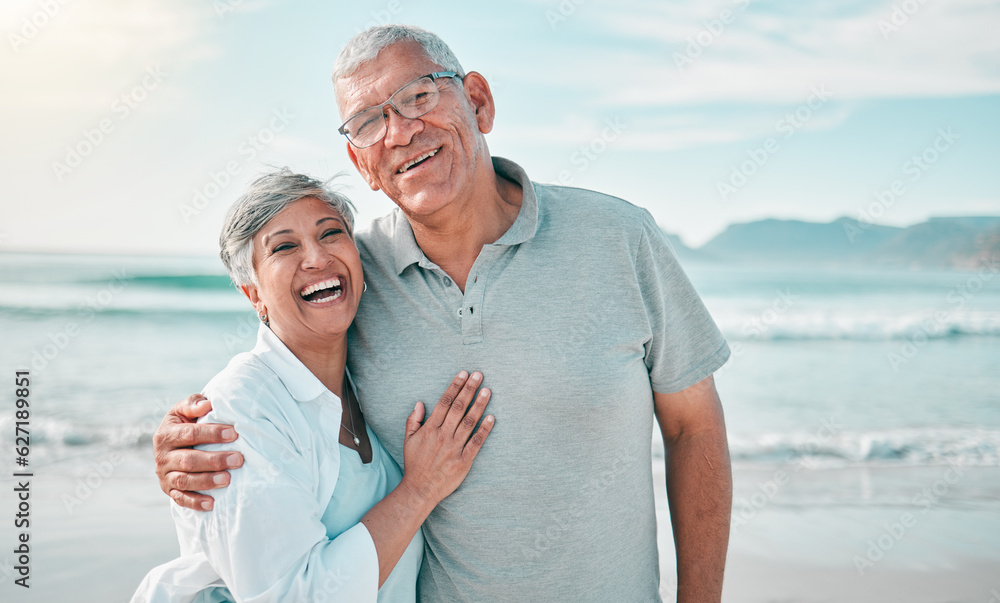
454, 241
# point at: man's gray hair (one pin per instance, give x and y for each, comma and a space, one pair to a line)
268, 196
366, 45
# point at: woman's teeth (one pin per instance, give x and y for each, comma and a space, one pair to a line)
325, 299
321, 288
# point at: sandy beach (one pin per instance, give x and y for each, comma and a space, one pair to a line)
98, 552
785, 552
803, 546
932, 523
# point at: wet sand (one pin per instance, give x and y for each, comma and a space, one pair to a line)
792, 549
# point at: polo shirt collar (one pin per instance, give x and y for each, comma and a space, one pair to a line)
526, 225
297, 379
406, 251
404, 244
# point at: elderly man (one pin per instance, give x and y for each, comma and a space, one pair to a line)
573, 306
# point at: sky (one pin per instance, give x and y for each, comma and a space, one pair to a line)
130, 126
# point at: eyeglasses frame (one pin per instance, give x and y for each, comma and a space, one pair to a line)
434, 77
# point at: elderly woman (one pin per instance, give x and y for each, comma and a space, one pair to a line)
320, 512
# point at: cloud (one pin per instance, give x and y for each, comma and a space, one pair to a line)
85, 51
707, 73
683, 53
675, 127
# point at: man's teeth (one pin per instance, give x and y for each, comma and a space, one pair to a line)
327, 284
410, 164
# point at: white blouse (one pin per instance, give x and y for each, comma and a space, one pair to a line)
287, 527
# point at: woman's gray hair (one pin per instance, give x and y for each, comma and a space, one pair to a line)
268, 196
366, 45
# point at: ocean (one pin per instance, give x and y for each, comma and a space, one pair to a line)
904, 365
851, 395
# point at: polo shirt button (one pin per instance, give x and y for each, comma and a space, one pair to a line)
459, 311
447, 282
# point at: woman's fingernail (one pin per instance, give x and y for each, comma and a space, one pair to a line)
206, 506
228, 434
477, 376
233, 460
220, 479
463, 375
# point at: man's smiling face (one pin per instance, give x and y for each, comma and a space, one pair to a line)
422, 164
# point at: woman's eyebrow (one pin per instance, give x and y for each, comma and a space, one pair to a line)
287, 231
274, 234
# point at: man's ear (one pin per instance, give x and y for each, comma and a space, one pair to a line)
351, 152
477, 90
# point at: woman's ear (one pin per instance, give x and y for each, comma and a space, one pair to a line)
251, 292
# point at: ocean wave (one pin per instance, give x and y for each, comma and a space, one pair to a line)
914, 446
180, 281
861, 325
155, 294
926, 446
64, 433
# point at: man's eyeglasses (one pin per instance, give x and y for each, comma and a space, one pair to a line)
413, 100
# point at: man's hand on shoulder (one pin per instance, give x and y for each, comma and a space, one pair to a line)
183, 470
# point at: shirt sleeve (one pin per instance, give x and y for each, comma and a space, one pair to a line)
685, 345
265, 535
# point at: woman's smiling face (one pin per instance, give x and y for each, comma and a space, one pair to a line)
308, 272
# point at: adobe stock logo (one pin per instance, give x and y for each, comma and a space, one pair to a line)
790, 123
914, 167
249, 148
33, 25
899, 17
712, 31
588, 153
92, 138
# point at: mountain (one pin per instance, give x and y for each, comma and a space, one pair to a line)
952, 242
842, 241
684, 253
988, 254
937, 243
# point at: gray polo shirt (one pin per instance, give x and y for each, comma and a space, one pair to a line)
575, 316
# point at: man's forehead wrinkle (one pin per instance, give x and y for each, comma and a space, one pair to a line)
360, 87
375, 81
361, 91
